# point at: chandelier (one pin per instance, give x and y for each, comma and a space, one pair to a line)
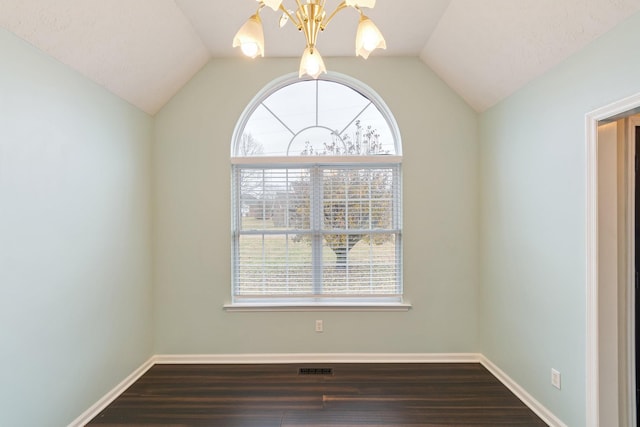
310, 18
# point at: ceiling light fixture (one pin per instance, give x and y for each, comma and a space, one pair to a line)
310, 18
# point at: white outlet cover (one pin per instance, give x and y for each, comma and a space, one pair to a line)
555, 379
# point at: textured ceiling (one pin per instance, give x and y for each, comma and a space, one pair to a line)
145, 50
486, 50
142, 50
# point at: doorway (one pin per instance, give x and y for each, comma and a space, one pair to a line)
596, 343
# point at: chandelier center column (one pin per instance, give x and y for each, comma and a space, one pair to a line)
311, 16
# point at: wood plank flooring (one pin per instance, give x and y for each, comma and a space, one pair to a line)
353, 395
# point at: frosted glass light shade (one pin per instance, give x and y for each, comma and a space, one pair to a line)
311, 64
368, 38
250, 37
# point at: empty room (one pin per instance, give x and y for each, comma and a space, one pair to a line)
409, 212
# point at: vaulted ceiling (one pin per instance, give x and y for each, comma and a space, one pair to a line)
145, 50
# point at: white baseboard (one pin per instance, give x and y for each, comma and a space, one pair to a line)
317, 358
546, 415
94, 410
230, 359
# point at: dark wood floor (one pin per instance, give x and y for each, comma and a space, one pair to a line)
353, 395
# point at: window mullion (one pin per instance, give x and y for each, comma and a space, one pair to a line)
317, 102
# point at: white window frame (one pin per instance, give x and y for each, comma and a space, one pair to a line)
238, 162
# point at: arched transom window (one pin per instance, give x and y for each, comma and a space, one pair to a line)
316, 196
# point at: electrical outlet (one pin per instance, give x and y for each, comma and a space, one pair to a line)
319, 326
555, 378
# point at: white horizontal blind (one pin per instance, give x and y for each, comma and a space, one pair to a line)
314, 233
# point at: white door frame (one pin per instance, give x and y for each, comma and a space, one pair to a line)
630, 330
592, 315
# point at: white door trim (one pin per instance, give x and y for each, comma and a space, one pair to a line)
630, 327
591, 221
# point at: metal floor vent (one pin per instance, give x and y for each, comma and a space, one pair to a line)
315, 371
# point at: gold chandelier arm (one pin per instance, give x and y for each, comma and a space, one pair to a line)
300, 8
291, 17
333, 14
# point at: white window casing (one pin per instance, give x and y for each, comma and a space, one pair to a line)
316, 212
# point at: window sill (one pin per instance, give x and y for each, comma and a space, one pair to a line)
252, 307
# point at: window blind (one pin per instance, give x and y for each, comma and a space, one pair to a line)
317, 233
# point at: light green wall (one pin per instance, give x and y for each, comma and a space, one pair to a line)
533, 256
192, 219
75, 270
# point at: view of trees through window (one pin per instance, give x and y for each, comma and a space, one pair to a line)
354, 199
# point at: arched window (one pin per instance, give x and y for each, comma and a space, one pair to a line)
317, 203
